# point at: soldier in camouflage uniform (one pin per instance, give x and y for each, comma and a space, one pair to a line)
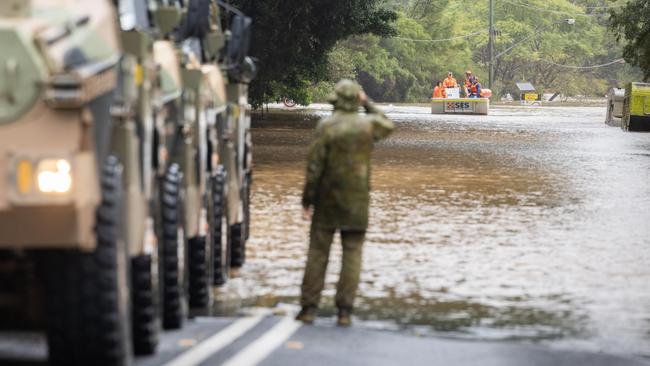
336, 194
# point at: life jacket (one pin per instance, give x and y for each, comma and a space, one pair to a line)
473, 89
450, 83
486, 93
439, 92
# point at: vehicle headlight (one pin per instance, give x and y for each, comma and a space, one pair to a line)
53, 176
41, 180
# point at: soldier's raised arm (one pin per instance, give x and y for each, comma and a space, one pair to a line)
381, 125
316, 156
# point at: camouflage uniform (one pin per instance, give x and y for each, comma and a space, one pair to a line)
337, 187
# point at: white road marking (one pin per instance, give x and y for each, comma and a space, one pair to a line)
213, 344
257, 351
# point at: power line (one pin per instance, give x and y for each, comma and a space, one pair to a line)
552, 10
602, 7
485, 31
617, 61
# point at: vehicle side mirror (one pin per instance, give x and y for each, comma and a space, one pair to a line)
167, 18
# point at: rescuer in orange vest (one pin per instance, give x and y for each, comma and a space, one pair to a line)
468, 82
439, 91
450, 82
474, 89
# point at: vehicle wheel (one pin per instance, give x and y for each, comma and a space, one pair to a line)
199, 277
217, 227
247, 205
144, 306
87, 309
237, 245
172, 243
288, 102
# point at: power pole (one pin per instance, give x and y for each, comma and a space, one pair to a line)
491, 45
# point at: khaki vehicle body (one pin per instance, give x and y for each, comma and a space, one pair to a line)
68, 106
204, 96
57, 75
166, 57
113, 141
237, 157
215, 156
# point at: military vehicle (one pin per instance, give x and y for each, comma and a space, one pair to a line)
218, 122
636, 107
172, 119
615, 99
75, 204
208, 143
128, 156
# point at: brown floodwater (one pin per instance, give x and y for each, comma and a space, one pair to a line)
527, 224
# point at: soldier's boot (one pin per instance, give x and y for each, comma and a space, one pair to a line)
307, 315
344, 319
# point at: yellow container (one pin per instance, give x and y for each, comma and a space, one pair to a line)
636, 107
640, 99
530, 96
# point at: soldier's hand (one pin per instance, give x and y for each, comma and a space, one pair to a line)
307, 213
363, 98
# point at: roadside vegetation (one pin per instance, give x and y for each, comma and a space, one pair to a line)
632, 24
397, 48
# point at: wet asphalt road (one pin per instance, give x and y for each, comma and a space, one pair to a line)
273, 338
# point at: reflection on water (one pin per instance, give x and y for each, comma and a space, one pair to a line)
528, 223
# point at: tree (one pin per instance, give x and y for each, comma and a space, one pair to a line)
632, 24
436, 36
292, 39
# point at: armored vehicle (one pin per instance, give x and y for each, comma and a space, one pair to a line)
207, 117
66, 131
83, 139
127, 160
216, 155
636, 107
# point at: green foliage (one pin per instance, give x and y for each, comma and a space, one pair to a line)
394, 69
292, 39
632, 24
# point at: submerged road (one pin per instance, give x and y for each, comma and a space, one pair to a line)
518, 238
528, 225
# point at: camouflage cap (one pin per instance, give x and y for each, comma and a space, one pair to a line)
345, 95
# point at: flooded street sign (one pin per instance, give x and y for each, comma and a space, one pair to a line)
518, 225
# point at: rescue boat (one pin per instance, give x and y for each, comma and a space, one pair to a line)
454, 104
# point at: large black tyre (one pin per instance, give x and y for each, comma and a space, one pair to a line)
171, 263
199, 274
237, 245
87, 309
144, 313
248, 181
247, 204
238, 231
218, 225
